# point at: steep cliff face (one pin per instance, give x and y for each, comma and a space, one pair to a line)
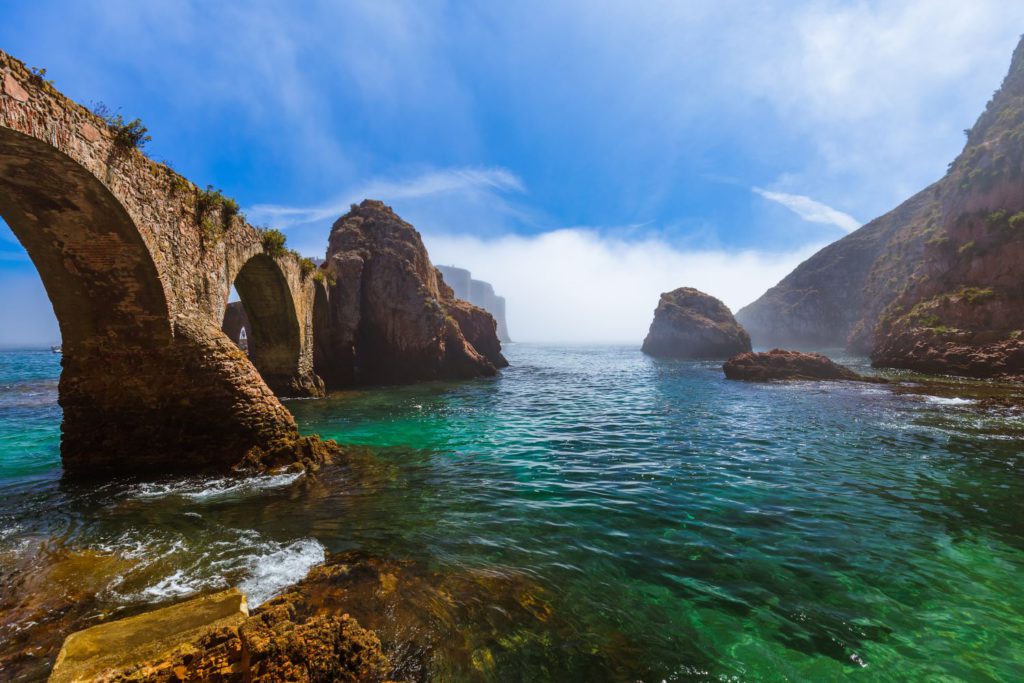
478, 293
691, 324
391, 318
936, 281
834, 297
963, 311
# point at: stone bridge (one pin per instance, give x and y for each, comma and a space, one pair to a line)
138, 263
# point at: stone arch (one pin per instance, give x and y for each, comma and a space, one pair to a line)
141, 390
137, 281
93, 261
272, 323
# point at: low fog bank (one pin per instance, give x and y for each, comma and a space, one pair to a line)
568, 285
578, 286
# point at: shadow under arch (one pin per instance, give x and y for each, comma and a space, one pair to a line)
274, 333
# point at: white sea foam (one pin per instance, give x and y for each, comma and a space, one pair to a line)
179, 584
270, 574
204, 489
943, 401
260, 567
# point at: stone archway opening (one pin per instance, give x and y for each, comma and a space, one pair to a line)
264, 320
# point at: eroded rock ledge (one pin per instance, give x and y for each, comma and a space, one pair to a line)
779, 364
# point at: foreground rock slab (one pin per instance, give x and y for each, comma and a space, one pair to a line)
118, 644
691, 324
779, 364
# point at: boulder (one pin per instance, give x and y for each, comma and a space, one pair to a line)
779, 364
391, 319
691, 324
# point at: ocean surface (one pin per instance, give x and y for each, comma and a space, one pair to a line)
668, 524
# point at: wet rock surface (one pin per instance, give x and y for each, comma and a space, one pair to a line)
691, 324
391, 319
779, 364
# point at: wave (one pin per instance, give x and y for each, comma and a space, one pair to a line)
943, 401
204, 489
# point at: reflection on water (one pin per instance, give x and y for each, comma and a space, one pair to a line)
590, 515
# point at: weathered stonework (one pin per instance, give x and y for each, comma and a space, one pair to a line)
139, 282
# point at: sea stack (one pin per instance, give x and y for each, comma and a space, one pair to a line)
691, 324
391, 318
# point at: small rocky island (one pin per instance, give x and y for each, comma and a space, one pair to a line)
691, 324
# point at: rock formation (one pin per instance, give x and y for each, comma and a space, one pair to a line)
936, 285
478, 293
779, 364
390, 318
212, 638
691, 324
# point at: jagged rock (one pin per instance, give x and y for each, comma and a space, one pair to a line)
277, 643
391, 319
98, 652
779, 364
691, 324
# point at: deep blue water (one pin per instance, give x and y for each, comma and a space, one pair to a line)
678, 525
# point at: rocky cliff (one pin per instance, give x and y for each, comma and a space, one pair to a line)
834, 298
390, 317
478, 293
934, 285
691, 324
963, 310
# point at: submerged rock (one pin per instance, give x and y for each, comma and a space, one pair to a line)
691, 324
391, 318
779, 364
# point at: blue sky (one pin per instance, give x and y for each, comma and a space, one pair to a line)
581, 155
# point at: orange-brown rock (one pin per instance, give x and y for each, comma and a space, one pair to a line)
275, 644
779, 364
691, 324
390, 318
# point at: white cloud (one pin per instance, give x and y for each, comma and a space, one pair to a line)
811, 210
575, 285
436, 182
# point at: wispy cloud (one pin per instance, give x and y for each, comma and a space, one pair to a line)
428, 184
811, 210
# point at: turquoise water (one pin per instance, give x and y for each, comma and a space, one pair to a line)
677, 526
